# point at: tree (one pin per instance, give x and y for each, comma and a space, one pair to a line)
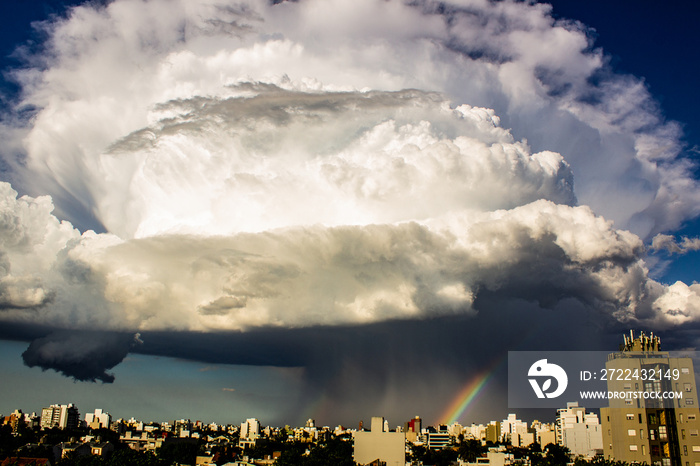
600, 461
335, 451
293, 455
133, 457
178, 452
417, 453
470, 450
556, 455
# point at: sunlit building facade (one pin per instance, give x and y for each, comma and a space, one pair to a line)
657, 432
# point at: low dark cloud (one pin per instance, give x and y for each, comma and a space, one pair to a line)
83, 355
394, 368
402, 367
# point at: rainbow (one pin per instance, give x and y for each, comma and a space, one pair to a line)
468, 395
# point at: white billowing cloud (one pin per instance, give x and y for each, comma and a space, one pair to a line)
30, 240
38, 281
319, 275
113, 70
277, 158
679, 304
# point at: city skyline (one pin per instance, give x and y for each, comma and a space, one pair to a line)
294, 210
657, 428
98, 415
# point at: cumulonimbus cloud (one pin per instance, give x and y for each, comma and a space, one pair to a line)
312, 163
107, 71
272, 158
299, 276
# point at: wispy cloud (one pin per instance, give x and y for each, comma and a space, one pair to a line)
671, 245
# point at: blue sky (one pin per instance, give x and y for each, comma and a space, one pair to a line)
655, 42
313, 209
157, 388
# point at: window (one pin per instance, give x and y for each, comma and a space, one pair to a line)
633, 447
662, 433
630, 417
641, 433
685, 370
627, 386
691, 417
665, 461
696, 448
631, 432
689, 401
693, 432
682, 433
640, 418
687, 387
628, 402
652, 435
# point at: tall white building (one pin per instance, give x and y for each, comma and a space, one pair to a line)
98, 420
250, 429
61, 416
515, 431
249, 433
579, 431
455, 429
476, 431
